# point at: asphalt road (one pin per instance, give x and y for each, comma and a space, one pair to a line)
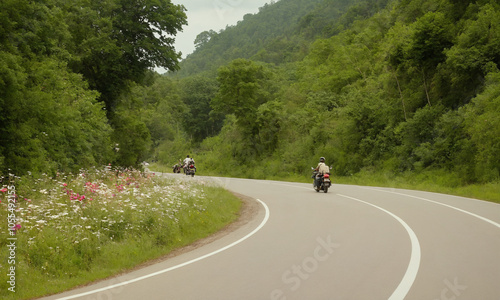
351, 243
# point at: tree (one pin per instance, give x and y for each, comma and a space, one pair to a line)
204, 37
243, 88
431, 37
475, 54
417, 135
200, 121
49, 119
116, 41
52, 122
483, 125
131, 137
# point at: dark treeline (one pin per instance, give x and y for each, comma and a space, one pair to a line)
67, 69
387, 86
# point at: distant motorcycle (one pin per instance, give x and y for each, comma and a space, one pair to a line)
190, 169
323, 181
176, 168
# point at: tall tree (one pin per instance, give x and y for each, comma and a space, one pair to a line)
243, 88
431, 37
200, 121
116, 41
49, 119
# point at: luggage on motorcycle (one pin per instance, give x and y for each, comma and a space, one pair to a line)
322, 180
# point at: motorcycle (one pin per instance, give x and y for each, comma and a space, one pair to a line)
323, 181
176, 169
190, 169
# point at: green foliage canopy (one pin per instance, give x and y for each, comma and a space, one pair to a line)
383, 86
65, 67
116, 41
243, 88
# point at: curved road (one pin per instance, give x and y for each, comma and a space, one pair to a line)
351, 243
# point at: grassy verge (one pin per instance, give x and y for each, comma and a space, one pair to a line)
437, 182
75, 229
160, 168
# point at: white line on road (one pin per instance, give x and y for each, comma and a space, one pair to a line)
414, 264
179, 265
435, 202
412, 270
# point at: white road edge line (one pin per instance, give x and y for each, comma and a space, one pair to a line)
435, 202
264, 221
414, 264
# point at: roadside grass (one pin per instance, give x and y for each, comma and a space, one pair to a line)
160, 168
437, 182
76, 229
486, 192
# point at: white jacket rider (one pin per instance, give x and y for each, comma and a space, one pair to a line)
187, 161
322, 169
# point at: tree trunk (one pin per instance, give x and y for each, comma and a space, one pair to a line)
400, 94
425, 87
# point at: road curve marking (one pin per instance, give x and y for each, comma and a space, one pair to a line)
264, 221
414, 264
435, 202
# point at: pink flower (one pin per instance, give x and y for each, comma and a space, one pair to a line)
65, 184
3, 190
16, 228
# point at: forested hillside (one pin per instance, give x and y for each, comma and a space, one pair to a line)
374, 86
279, 33
382, 86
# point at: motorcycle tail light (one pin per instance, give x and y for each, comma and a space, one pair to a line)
327, 176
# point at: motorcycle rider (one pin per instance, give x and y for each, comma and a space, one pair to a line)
322, 169
177, 167
187, 162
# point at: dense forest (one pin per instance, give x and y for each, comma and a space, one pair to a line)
388, 86
374, 86
67, 71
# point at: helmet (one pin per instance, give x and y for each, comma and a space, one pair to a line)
321, 159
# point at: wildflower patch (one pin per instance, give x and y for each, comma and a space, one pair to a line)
71, 226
